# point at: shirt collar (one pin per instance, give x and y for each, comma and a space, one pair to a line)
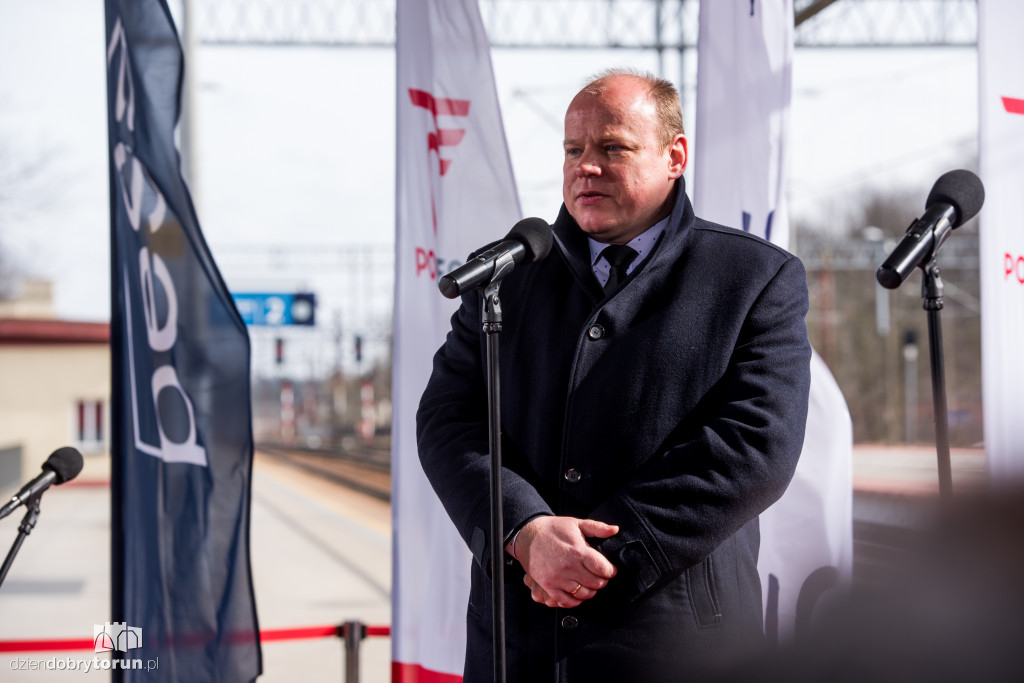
642, 244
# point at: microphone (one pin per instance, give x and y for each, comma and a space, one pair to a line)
955, 198
529, 240
63, 465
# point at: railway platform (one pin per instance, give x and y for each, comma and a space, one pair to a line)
321, 555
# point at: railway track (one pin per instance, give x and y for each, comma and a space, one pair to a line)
368, 472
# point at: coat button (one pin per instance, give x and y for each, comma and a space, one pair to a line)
573, 476
570, 623
595, 332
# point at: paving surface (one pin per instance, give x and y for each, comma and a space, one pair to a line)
321, 555
913, 470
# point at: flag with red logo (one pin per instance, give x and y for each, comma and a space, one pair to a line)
1001, 166
745, 55
455, 193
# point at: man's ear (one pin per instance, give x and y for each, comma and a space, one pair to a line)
677, 157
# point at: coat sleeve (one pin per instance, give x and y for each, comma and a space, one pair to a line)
734, 456
453, 443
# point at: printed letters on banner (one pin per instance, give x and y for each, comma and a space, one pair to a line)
455, 192
182, 435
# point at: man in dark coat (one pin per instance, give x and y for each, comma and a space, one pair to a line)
654, 398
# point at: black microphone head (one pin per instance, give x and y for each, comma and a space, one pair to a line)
961, 189
535, 235
65, 462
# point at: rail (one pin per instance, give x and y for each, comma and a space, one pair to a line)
366, 475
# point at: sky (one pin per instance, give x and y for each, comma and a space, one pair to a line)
295, 146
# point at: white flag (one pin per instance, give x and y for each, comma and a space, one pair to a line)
744, 74
455, 193
1001, 158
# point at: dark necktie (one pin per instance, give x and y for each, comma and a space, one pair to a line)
618, 256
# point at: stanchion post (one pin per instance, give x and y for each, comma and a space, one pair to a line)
353, 632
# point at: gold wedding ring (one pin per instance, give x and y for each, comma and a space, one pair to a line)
573, 591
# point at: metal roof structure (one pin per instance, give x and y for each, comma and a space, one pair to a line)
583, 24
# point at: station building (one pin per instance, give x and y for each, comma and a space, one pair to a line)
54, 387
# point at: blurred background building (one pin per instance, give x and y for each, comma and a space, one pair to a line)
54, 385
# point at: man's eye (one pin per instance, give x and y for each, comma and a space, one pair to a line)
613, 148
571, 151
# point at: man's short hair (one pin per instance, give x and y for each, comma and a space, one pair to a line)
661, 91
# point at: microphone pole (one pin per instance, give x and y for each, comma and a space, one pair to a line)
491, 320
931, 293
529, 240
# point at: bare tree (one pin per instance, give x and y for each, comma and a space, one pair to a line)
25, 190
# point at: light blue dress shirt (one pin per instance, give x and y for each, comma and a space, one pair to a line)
642, 244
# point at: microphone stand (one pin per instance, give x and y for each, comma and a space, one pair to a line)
491, 319
28, 522
931, 293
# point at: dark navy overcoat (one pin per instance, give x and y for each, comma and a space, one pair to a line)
674, 408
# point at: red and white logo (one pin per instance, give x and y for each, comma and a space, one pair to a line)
1013, 105
438, 137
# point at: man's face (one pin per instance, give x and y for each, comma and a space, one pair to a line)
618, 175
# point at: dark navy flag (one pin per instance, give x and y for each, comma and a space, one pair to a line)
182, 434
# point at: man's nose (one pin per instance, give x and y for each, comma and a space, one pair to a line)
588, 165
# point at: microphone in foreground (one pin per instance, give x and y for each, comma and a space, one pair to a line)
955, 198
63, 465
529, 240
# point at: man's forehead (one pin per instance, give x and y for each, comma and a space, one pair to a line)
612, 105
600, 121
601, 133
